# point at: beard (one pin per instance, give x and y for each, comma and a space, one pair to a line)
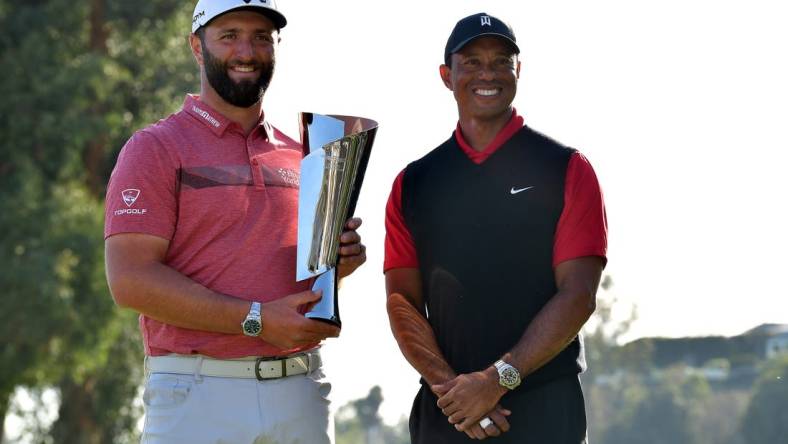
242, 94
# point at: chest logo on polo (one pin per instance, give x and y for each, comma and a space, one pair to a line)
519, 190
274, 176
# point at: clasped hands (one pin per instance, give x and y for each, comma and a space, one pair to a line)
468, 398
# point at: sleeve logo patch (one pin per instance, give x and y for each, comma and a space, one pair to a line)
130, 196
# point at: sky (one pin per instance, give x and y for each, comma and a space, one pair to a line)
680, 106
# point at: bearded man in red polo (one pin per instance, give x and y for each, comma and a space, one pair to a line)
201, 228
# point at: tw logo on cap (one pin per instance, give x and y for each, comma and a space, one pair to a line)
130, 196
486, 20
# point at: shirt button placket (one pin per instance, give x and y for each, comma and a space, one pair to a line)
257, 174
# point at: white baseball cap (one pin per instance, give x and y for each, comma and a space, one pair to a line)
207, 10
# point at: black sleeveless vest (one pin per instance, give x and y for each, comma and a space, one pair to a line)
484, 236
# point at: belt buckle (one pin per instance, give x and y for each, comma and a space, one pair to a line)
258, 361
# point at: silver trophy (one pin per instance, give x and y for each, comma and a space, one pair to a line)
336, 153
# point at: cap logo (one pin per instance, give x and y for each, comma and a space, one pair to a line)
130, 196
198, 16
486, 20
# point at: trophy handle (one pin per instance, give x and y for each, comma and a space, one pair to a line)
327, 309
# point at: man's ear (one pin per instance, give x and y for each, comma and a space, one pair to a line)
196, 45
445, 73
517, 70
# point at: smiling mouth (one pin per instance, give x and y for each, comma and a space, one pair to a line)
487, 92
244, 68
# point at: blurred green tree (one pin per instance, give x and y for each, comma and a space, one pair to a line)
720, 422
79, 77
612, 382
666, 412
766, 420
603, 334
358, 421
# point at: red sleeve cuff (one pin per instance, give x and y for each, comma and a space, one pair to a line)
582, 227
399, 249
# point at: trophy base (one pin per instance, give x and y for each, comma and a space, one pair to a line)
327, 309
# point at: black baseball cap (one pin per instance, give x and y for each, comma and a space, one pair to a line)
475, 26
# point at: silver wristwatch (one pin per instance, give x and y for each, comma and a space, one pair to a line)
253, 324
508, 376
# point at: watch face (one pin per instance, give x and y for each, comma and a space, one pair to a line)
509, 377
252, 327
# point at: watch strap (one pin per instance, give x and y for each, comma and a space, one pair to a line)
254, 310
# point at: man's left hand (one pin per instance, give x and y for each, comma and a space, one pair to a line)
468, 397
352, 253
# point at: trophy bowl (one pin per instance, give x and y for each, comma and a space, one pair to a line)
336, 153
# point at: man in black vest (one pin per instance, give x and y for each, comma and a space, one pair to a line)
495, 244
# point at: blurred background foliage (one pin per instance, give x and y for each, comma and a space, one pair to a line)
699, 390
79, 76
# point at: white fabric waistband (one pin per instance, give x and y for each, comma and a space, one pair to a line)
254, 368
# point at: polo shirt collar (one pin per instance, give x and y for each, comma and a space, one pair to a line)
516, 122
213, 119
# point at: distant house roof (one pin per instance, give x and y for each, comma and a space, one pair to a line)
695, 351
767, 330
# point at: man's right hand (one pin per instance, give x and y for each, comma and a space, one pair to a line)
285, 327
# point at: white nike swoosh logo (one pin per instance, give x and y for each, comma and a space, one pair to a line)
519, 190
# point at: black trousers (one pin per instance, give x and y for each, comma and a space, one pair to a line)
551, 413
